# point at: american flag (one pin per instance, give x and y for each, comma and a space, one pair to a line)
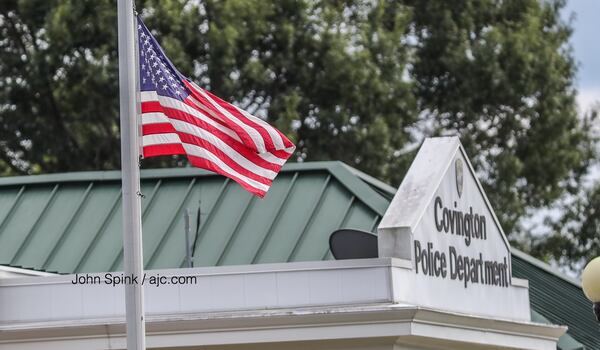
179, 117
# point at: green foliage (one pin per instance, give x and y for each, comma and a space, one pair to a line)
328, 74
575, 240
500, 75
58, 86
355, 80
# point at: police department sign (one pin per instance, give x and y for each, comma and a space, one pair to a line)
432, 262
441, 223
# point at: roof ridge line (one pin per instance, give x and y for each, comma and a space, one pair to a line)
371, 180
113, 175
358, 187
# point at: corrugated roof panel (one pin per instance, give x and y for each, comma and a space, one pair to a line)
107, 241
328, 217
87, 224
305, 194
167, 209
361, 218
213, 236
50, 225
22, 221
204, 192
210, 195
65, 229
8, 202
257, 222
34, 223
170, 244
565, 342
316, 207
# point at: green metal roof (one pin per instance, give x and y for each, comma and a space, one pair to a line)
72, 223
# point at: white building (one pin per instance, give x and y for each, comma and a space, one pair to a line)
445, 277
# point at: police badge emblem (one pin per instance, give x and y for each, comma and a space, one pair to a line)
459, 176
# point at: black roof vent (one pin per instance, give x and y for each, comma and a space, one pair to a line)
353, 244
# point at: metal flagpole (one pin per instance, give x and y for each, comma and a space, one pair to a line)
132, 222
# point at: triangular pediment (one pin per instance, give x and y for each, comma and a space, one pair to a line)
441, 220
441, 172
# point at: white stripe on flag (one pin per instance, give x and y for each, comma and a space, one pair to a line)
154, 118
161, 139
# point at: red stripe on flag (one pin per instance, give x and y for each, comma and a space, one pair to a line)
158, 128
163, 150
151, 106
170, 149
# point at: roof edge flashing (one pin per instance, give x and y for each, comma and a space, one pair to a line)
115, 175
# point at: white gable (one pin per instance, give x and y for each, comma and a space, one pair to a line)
441, 220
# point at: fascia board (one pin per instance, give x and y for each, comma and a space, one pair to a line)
416, 191
541, 330
264, 326
22, 272
115, 175
232, 270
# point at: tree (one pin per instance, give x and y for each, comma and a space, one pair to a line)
328, 74
352, 80
500, 74
574, 239
571, 238
58, 87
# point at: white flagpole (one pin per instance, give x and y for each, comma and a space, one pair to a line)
130, 173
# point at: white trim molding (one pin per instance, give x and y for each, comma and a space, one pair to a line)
366, 304
380, 325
